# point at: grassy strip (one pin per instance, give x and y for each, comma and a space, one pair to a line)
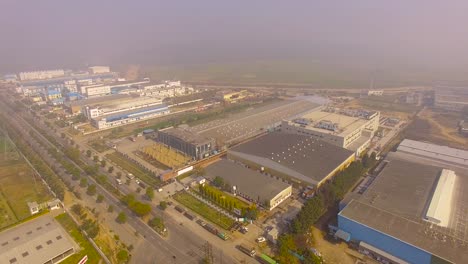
25, 220
87, 248
133, 168
204, 210
98, 146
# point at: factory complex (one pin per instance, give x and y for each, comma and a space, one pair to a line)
451, 98
346, 128
415, 210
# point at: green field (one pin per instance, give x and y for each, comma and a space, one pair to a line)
18, 186
6, 145
133, 168
204, 210
86, 247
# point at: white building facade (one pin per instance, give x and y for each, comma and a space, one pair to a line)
41, 75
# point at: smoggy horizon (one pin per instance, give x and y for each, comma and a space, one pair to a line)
49, 34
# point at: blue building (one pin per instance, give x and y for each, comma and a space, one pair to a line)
392, 219
130, 116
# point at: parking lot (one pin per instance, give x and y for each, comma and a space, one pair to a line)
252, 122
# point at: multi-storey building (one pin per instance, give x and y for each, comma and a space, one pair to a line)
350, 129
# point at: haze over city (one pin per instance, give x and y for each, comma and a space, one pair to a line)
409, 34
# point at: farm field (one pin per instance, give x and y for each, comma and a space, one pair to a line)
386, 104
438, 128
204, 210
18, 186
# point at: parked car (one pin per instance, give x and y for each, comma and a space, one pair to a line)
260, 239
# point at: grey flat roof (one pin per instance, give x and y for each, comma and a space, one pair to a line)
36, 241
300, 156
397, 200
249, 182
186, 135
99, 100
434, 151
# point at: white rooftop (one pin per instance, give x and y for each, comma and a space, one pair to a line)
444, 153
346, 124
441, 202
36, 241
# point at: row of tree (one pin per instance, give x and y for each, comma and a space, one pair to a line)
293, 246
46, 172
227, 202
90, 226
139, 208
328, 195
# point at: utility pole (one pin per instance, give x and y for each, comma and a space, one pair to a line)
208, 249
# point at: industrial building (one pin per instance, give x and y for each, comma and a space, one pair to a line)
71, 82
446, 154
166, 89
129, 116
113, 106
186, 141
375, 92
78, 106
41, 240
414, 211
350, 129
245, 182
99, 69
41, 75
451, 98
296, 158
95, 90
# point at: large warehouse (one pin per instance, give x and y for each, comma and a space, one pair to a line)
41, 240
415, 211
186, 141
129, 116
245, 182
451, 98
433, 151
350, 129
297, 158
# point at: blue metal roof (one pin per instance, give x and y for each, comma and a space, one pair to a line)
137, 112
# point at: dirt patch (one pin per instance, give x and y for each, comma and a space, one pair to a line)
437, 128
332, 252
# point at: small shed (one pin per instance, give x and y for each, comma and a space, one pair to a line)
53, 204
33, 208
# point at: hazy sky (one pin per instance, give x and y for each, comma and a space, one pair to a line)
39, 34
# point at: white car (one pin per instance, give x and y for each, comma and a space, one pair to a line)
260, 239
137, 181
